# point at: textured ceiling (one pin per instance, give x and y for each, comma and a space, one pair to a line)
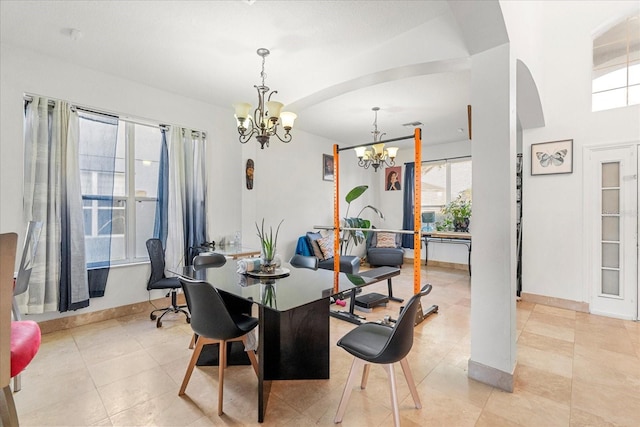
331, 61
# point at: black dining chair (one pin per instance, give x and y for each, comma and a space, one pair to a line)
158, 280
384, 345
208, 260
214, 324
302, 261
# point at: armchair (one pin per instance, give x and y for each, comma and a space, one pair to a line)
306, 246
384, 249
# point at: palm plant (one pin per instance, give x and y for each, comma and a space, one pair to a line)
355, 237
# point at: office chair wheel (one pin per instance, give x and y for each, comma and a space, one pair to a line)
188, 320
159, 324
152, 316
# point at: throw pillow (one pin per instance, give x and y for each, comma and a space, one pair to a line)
313, 243
326, 246
386, 240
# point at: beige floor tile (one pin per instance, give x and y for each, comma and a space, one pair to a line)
554, 311
164, 410
548, 361
528, 409
536, 326
454, 382
440, 409
545, 343
543, 383
87, 409
611, 339
608, 403
489, 419
124, 366
125, 393
619, 370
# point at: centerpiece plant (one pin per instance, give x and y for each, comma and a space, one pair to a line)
268, 244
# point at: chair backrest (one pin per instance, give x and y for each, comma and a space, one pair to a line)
209, 315
8, 244
156, 256
28, 254
401, 339
302, 261
372, 239
208, 260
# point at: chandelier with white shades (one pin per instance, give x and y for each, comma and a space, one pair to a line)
377, 155
267, 115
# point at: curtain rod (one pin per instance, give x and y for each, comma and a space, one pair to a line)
51, 102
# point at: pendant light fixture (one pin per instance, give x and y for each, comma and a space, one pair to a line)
266, 117
377, 155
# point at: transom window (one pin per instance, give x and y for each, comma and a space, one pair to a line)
616, 66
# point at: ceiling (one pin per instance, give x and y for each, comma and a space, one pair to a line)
330, 61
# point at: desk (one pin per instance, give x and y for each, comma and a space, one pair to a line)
235, 252
294, 322
446, 237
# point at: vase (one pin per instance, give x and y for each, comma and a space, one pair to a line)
461, 225
269, 264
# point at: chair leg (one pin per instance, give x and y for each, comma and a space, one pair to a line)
192, 363
17, 383
394, 393
365, 376
222, 363
194, 338
410, 382
252, 356
346, 394
8, 413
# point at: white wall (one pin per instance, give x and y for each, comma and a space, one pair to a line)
554, 39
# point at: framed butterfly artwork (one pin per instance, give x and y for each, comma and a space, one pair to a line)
553, 157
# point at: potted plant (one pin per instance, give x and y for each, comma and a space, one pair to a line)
457, 214
355, 237
268, 244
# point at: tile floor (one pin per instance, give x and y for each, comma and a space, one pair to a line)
574, 369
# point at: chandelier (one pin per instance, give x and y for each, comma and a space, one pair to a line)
377, 155
266, 117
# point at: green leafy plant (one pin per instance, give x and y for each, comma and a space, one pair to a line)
268, 241
456, 215
355, 237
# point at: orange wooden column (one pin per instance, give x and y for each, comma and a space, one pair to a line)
336, 217
417, 202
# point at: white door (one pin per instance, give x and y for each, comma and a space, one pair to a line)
611, 230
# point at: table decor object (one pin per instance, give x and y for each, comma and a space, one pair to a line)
268, 243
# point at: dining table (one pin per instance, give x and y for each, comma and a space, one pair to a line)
293, 312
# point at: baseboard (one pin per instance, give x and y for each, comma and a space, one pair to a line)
491, 376
69, 322
567, 304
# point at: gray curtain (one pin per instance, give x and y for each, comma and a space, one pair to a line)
52, 195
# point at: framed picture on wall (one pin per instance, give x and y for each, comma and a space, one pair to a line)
392, 178
553, 157
327, 167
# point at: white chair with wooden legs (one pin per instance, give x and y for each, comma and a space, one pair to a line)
212, 322
383, 345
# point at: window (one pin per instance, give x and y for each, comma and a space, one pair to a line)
443, 181
119, 167
616, 66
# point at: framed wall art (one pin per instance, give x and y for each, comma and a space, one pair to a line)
555, 157
392, 178
327, 167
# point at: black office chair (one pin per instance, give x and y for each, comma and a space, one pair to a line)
302, 261
212, 321
158, 280
208, 260
384, 345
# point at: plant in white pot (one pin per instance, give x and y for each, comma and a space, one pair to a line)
268, 245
